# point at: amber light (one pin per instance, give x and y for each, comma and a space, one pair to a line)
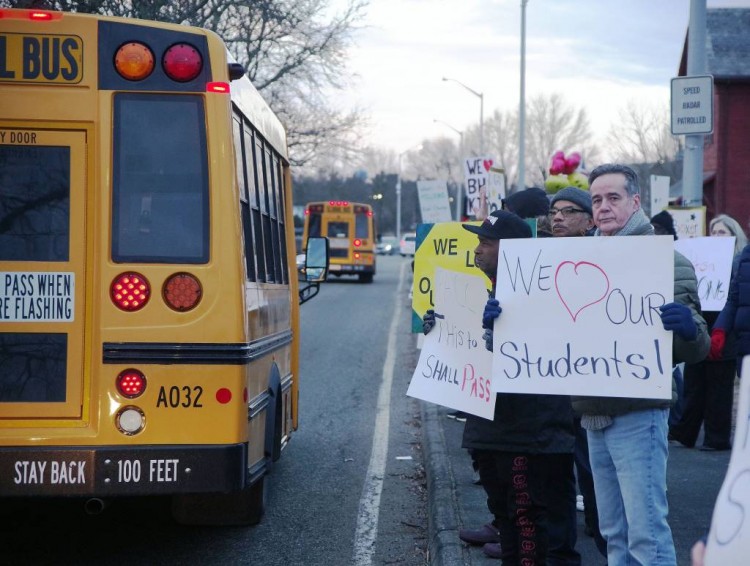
182, 62
130, 291
357, 255
134, 61
182, 292
131, 383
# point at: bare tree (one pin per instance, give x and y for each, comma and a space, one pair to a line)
554, 125
642, 134
294, 52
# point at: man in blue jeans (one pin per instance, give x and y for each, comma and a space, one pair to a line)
627, 438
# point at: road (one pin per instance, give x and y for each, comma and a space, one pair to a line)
349, 489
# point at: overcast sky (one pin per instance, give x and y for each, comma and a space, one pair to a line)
597, 53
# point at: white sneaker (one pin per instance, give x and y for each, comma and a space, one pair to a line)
579, 503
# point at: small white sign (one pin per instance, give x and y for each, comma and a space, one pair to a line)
729, 538
455, 368
37, 296
692, 105
659, 193
476, 172
433, 201
580, 319
712, 260
689, 222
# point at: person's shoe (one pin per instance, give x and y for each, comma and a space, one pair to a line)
457, 415
672, 437
481, 536
493, 550
709, 448
579, 503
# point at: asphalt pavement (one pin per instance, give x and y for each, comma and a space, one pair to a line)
694, 478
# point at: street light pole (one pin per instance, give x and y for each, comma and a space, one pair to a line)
522, 105
459, 189
481, 112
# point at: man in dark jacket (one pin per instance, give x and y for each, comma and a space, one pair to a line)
525, 450
628, 437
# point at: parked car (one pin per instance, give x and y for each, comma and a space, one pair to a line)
408, 244
386, 246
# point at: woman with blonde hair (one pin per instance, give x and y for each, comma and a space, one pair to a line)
709, 385
725, 225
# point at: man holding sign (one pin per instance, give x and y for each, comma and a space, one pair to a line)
628, 437
525, 454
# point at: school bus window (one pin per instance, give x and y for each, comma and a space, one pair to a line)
338, 230
282, 233
35, 203
33, 367
264, 186
252, 189
160, 199
247, 230
272, 177
314, 222
361, 225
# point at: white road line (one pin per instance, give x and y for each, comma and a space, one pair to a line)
369, 503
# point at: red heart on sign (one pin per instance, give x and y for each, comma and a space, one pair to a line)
580, 285
487, 164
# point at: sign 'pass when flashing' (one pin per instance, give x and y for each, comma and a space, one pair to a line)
692, 105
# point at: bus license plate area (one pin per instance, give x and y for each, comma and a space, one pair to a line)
140, 471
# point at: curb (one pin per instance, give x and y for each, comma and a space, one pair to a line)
444, 546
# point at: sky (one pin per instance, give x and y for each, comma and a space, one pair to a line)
598, 54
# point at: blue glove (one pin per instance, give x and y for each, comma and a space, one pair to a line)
428, 321
487, 337
679, 319
492, 310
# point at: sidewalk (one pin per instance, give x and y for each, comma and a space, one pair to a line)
454, 502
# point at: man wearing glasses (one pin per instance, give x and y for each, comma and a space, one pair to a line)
570, 213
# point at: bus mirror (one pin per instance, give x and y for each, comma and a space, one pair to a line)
316, 259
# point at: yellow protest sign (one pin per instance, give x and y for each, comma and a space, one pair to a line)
445, 245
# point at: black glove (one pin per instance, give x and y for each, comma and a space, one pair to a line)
428, 321
492, 310
487, 336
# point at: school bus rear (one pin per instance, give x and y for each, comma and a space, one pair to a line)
123, 308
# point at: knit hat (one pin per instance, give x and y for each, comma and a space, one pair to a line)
665, 220
575, 195
528, 203
501, 225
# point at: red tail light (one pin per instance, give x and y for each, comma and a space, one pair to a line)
131, 383
221, 88
182, 62
182, 292
357, 243
130, 291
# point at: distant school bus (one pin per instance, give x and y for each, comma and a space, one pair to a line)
148, 298
350, 229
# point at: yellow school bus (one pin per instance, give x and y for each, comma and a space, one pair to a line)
148, 292
350, 230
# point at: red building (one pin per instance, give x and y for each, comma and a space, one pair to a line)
726, 157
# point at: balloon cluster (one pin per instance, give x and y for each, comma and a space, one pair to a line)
562, 173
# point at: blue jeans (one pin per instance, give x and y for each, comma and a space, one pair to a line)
629, 464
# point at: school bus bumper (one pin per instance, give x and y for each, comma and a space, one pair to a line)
110, 471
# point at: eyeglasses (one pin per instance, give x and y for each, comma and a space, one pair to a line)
565, 211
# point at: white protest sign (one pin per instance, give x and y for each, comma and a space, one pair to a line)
659, 193
712, 260
433, 201
454, 366
581, 317
476, 170
495, 189
729, 537
689, 222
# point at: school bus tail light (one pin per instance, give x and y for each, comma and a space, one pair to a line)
131, 383
182, 292
357, 243
134, 61
130, 420
130, 291
182, 62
